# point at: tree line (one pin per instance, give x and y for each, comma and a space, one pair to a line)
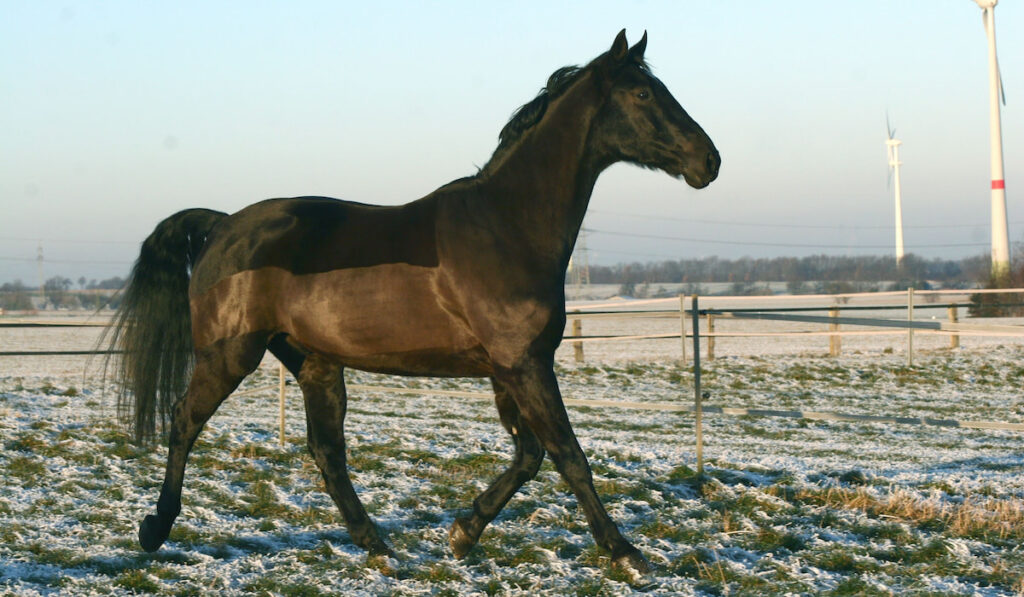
857, 270
58, 292
821, 274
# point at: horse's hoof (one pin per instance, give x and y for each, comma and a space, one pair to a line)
152, 533
382, 560
379, 549
632, 562
459, 540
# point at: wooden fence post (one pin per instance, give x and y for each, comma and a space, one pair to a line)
711, 337
280, 393
698, 409
682, 328
834, 341
577, 330
910, 330
954, 339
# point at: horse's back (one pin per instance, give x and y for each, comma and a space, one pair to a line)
311, 235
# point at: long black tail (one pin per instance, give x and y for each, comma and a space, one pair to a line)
153, 324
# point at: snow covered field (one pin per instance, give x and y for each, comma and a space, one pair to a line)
789, 505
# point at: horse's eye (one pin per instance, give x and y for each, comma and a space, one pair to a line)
643, 94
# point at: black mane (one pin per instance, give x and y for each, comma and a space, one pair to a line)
530, 113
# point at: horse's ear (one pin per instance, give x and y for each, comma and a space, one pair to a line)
636, 53
619, 47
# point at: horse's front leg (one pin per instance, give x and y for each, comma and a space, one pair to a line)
527, 460
534, 388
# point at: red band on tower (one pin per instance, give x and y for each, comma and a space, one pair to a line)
998, 184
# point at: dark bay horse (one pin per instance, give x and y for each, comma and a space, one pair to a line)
467, 281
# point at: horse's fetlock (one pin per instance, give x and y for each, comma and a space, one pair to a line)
461, 537
631, 561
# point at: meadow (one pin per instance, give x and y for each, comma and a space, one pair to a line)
787, 506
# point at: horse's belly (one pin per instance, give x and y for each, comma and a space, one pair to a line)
471, 363
384, 309
387, 318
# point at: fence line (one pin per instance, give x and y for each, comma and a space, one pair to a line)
51, 324
54, 353
672, 407
833, 320
577, 339
698, 409
834, 297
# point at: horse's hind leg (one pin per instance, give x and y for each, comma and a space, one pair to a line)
289, 356
528, 457
323, 387
217, 373
534, 387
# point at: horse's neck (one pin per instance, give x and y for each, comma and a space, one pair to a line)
543, 186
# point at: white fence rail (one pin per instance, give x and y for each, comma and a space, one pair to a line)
724, 307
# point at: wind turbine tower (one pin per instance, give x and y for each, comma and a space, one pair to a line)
1000, 230
893, 145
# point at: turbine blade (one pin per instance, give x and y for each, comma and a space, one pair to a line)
999, 80
999, 72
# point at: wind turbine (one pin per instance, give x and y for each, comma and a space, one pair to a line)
893, 146
1000, 230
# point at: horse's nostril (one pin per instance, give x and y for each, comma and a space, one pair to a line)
713, 161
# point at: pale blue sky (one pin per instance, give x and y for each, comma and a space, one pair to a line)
117, 114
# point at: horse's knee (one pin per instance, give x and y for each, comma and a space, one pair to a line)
529, 456
533, 456
326, 454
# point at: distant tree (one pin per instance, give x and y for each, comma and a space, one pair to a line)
906, 283
81, 282
93, 300
115, 283
833, 287
739, 288
112, 301
1001, 305
858, 271
14, 296
88, 300
56, 291
690, 289
13, 286
796, 287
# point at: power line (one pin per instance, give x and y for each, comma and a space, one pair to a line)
69, 240
772, 225
635, 254
772, 244
77, 261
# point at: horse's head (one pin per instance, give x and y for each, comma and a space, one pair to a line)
641, 123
